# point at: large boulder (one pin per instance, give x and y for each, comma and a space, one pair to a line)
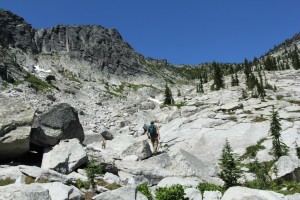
188, 182
141, 149
16, 118
288, 168
43, 174
65, 157
59, 191
24, 192
242, 193
59, 123
123, 193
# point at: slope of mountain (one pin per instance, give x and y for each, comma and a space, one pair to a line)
114, 91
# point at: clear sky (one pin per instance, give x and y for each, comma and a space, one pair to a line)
181, 31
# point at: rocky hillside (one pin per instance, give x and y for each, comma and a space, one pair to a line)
67, 89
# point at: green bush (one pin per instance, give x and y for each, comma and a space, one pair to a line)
144, 189
210, 187
251, 151
92, 170
279, 97
174, 192
38, 83
6, 181
82, 184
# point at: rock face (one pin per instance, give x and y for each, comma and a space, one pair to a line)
59, 123
15, 32
24, 192
242, 193
124, 193
65, 157
16, 118
104, 49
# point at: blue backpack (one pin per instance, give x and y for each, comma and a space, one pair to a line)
152, 131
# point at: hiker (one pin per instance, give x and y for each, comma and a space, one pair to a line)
153, 134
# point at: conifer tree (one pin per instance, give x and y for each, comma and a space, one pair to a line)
247, 69
168, 96
229, 170
218, 77
279, 148
295, 59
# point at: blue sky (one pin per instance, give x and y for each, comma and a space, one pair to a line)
183, 32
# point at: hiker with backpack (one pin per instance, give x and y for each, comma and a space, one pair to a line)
153, 134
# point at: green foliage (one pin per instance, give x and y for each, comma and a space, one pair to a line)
168, 96
113, 186
251, 151
178, 93
279, 97
174, 192
120, 89
144, 189
83, 184
279, 148
297, 150
294, 101
217, 77
259, 119
92, 170
71, 76
202, 187
38, 83
295, 59
6, 181
228, 164
261, 170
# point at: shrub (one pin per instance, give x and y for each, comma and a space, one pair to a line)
37, 83
92, 170
82, 184
144, 189
174, 192
230, 172
6, 181
113, 186
279, 97
210, 187
251, 151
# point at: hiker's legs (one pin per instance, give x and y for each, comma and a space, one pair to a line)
154, 144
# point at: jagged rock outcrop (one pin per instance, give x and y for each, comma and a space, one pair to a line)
59, 123
16, 118
15, 32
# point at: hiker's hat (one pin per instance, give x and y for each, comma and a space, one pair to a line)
152, 121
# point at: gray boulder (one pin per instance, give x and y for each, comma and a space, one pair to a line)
24, 192
42, 174
59, 123
65, 157
242, 193
288, 168
124, 193
59, 191
141, 149
107, 135
192, 193
16, 118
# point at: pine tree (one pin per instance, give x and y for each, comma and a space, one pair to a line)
295, 59
279, 148
168, 96
247, 69
218, 77
229, 170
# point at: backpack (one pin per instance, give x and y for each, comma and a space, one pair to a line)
152, 131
